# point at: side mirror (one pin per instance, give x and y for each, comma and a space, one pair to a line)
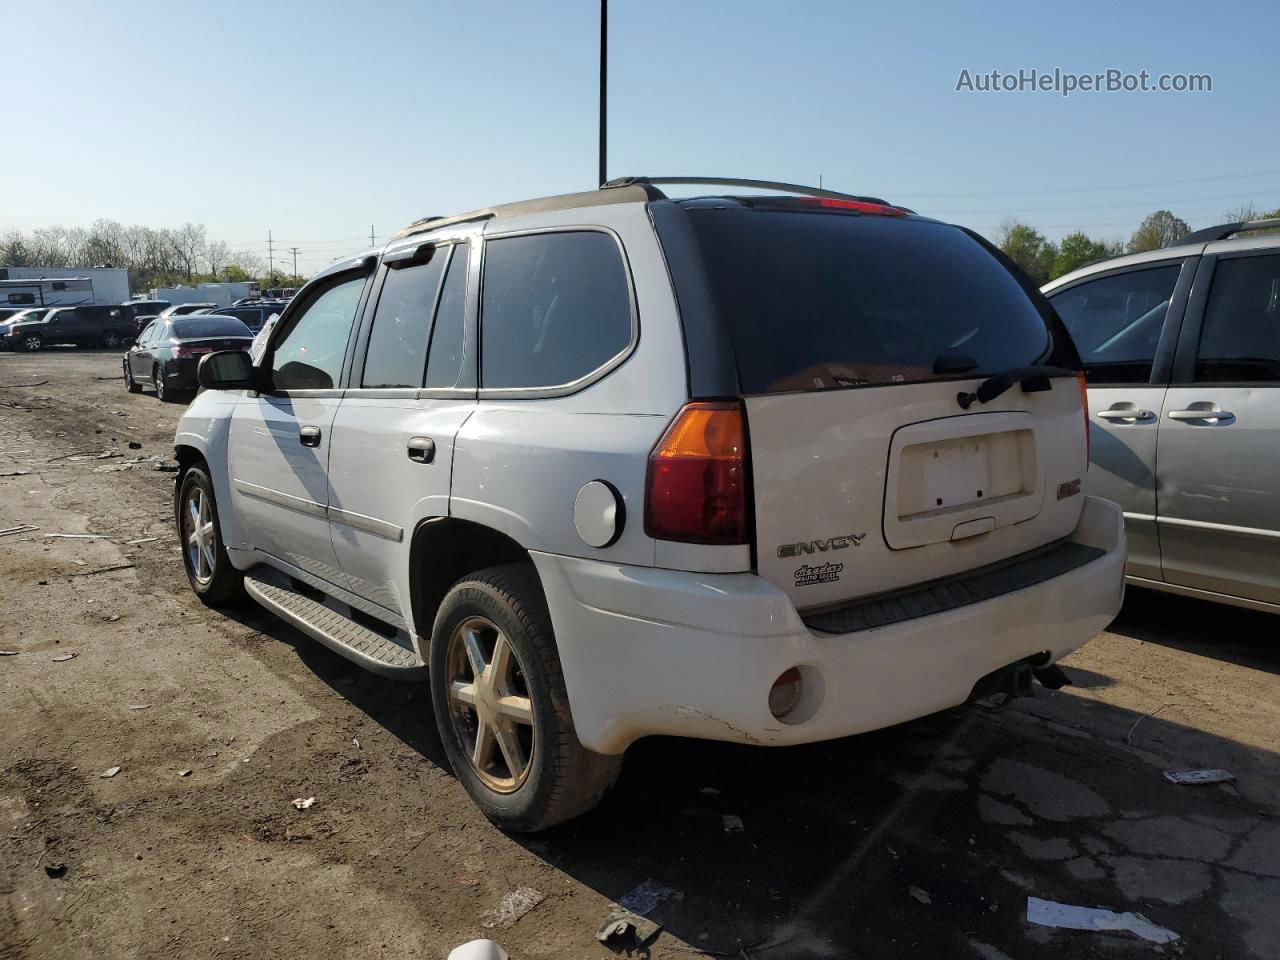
226, 370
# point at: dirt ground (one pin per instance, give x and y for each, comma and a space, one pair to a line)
923, 841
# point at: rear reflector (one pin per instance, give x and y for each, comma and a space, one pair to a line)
784, 695
1084, 407
854, 206
695, 491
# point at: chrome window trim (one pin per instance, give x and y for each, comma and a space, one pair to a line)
1220, 527
592, 376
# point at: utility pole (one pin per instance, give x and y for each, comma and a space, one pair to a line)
372, 241
604, 86
294, 251
271, 263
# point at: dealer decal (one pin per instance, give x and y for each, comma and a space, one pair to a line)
807, 576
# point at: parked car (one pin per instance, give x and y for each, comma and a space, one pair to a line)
254, 314
9, 317
182, 309
768, 469
1181, 349
166, 353
86, 326
147, 308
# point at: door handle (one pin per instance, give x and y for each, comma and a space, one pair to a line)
309, 436
1217, 416
1123, 414
421, 449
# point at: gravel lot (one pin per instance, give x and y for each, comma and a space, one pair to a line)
923, 841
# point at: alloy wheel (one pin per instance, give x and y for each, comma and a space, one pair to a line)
199, 535
32, 343
489, 704
157, 377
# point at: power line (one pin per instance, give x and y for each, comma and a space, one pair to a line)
1126, 186
1101, 205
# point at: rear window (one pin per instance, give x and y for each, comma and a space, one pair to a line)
818, 301
199, 327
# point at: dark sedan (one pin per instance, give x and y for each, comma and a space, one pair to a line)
165, 354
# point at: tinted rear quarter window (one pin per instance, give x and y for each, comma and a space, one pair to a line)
818, 301
555, 308
1240, 340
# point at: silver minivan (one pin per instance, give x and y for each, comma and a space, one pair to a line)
1181, 351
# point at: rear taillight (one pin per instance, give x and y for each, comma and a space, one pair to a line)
1084, 408
185, 351
696, 490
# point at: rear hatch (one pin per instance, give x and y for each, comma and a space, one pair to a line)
855, 337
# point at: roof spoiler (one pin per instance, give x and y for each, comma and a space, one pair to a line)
734, 182
1224, 231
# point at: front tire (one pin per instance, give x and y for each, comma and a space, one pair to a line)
157, 379
501, 707
130, 384
31, 342
209, 571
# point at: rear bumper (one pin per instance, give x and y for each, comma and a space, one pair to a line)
180, 373
648, 651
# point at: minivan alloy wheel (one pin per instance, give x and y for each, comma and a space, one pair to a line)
489, 704
199, 535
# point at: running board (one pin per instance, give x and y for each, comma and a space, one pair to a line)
334, 628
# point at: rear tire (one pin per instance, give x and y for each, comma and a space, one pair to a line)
110, 339
558, 778
209, 571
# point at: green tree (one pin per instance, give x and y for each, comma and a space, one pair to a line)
1028, 248
1159, 230
1077, 249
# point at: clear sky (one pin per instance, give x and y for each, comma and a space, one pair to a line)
316, 119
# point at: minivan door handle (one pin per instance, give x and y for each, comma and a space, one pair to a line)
421, 449
1209, 412
309, 436
1129, 414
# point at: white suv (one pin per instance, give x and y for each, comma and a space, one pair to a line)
766, 469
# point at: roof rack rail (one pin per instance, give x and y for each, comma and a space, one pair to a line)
736, 182
1224, 231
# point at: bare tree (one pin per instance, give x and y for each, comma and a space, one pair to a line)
217, 254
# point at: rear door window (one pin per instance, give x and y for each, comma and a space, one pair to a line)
1240, 338
819, 301
397, 353
1116, 322
555, 308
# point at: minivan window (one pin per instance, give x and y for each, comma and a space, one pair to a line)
820, 301
310, 355
1240, 339
397, 353
1116, 322
554, 308
444, 362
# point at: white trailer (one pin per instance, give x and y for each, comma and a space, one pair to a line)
223, 294
71, 292
107, 285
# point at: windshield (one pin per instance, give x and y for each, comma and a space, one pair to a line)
199, 327
817, 301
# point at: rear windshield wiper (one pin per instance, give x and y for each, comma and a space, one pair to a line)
1034, 379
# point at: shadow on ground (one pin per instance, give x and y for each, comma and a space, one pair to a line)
924, 840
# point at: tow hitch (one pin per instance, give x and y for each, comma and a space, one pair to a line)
997, 688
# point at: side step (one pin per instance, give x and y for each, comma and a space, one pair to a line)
334, 628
